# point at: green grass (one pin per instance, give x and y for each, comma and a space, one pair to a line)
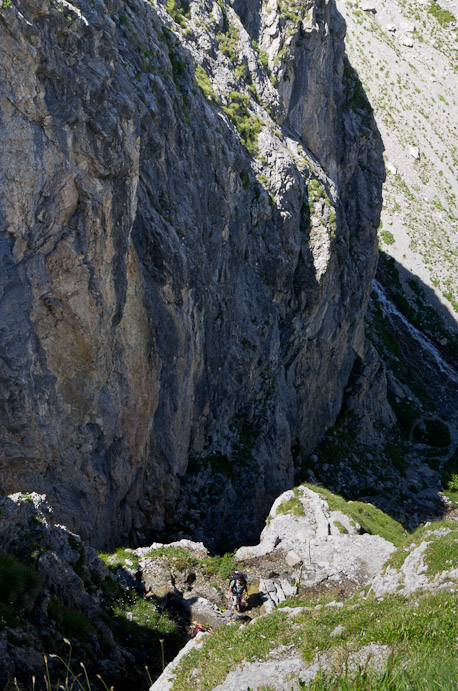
340, 527
143, 620
402, 672
438, 554
123, 557
73, 623
293, 505
442, 553
228, 42
450, 477
443, 16
221, 565
181, 559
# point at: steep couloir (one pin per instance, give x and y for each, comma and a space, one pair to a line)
188, 209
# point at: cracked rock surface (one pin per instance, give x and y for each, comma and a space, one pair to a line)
188, 214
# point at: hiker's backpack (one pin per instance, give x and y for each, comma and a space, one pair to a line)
234, 576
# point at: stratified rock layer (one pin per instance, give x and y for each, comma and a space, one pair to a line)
187, 243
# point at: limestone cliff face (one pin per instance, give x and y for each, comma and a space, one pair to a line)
189, 200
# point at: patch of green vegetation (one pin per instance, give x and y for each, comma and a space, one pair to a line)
204, 84
450, 477
179, 10
146, 625
6, 4
74, 624
228, 42
402, 672
291, 10
264, 59
293, 505
340, 527
387, 237
442, 15
221, 565
247, 124
178, 556
397, 558
123, 557
442, 554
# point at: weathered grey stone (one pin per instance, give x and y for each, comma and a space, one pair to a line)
166, 295
324, 550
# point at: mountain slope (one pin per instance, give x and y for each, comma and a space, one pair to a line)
406, 54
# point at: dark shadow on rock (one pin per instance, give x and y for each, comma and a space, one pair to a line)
253, 601
403, 470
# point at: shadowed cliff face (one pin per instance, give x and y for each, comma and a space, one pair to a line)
188, 211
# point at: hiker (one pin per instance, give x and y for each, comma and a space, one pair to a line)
138, 584
237, 586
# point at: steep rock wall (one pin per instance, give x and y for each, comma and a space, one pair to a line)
188, 206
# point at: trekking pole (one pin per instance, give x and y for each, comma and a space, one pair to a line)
161, 641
